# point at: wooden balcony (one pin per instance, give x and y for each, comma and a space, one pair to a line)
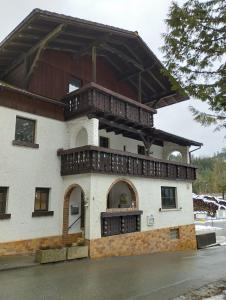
91, 159
113, 223
96, 101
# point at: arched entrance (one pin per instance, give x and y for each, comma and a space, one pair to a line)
121, 195
73, 211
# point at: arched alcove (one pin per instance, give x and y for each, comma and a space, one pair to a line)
81, 138
122, 195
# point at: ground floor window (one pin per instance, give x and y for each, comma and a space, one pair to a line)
168, 195
3, 199
174, 234
41, 199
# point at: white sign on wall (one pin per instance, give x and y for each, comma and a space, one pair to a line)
150, 220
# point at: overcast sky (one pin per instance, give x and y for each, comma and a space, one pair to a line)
145, 16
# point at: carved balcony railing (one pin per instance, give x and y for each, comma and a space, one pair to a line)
113, 223
92, 159
95, 100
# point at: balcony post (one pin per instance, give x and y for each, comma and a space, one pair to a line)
94, 64
139, 87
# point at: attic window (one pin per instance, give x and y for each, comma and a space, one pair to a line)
74, 85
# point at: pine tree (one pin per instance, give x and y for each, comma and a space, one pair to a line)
194, 51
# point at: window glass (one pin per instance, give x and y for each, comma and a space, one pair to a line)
104, 142
174, 234
140, 150
74, 85
3, 199
41, 199
168, 195
25, 130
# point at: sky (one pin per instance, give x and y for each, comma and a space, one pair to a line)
146, 17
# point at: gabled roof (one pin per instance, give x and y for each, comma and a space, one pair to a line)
125, 51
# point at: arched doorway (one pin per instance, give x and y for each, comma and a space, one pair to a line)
122, 195
73, 211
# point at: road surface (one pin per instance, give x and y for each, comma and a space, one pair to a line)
156, 276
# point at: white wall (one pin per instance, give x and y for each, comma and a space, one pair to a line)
171, 147
118, 141
74, 128
23, 169
149, 201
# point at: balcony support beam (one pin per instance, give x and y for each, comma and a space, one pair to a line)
94, 63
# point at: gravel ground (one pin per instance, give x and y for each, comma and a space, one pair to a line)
212, 291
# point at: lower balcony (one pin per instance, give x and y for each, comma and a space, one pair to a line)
92, 159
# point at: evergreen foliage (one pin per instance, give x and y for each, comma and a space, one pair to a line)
211, 176
195, 54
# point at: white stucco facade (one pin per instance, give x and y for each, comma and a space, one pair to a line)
22, 169
149, 201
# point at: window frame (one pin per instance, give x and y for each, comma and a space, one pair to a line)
42, 212
5, 215
20, 142
168, 207
106, 139
139, 147
174, 234
41, 189
4, 190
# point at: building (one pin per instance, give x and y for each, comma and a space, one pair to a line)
79, 151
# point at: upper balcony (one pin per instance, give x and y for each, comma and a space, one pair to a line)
94, 100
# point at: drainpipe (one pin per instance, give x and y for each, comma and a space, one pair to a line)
193, 151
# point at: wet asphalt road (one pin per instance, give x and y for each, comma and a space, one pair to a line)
157, 276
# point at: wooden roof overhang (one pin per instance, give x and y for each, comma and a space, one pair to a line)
124, 50
8, 87
153, 135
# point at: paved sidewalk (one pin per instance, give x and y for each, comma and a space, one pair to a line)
16, 262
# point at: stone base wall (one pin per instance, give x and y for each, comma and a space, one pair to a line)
143, 242
31, 245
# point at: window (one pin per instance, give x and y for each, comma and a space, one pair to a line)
104, 142
74, 85
168, 197
3, 199
140, 150
25, 130
41, 199
124, 148
174, 234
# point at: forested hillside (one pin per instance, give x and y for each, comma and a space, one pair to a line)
211, 173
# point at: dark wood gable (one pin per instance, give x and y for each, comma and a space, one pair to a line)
135, 71
55, 69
